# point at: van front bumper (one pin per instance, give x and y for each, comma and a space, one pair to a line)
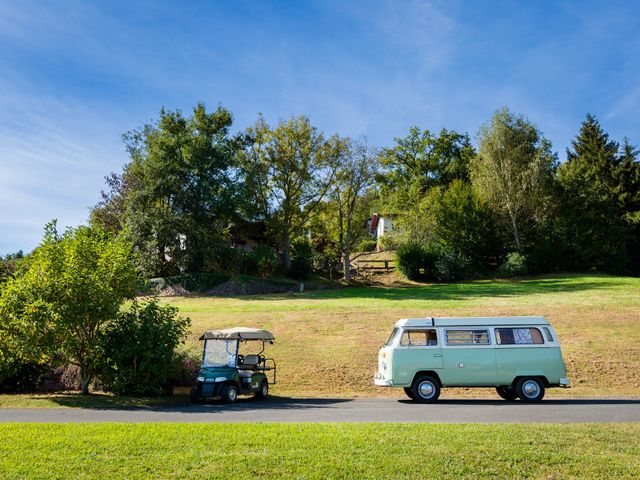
565, 382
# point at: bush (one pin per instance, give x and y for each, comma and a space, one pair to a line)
301, 259
264, 259
366, 245
410, 260
516, 264
185, 368
452, 266
192, 282
390, 241
138, 349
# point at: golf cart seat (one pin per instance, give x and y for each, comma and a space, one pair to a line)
251, 362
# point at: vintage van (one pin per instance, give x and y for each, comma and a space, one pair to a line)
519, 356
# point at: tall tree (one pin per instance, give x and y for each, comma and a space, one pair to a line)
513, 171
355, 175
413, 166
290, 168
179, 192
74, 285
600, 198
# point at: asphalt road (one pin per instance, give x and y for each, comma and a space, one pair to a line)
349, 410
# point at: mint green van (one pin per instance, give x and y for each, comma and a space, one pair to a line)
519, 356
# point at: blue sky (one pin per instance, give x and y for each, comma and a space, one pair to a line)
75, 75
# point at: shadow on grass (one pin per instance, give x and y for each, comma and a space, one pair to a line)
456, 291
106, 401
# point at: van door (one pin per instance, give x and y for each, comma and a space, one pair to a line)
418, 349
469, 357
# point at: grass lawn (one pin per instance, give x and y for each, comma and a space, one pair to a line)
319, 451
327, 341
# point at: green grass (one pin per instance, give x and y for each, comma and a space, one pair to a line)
319, 451
601, 290
95, 400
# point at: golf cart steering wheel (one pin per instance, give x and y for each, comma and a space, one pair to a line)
240, 359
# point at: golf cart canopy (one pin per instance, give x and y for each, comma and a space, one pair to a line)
238, 333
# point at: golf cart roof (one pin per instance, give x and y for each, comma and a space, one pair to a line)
238, 333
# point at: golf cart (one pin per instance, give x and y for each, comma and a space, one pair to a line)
225, 373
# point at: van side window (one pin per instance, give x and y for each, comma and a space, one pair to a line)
468, 337
419, 338
547, 333
518, 336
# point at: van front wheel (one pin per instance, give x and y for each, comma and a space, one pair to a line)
507, 393
530, 389
425, 389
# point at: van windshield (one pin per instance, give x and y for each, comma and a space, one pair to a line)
391, 337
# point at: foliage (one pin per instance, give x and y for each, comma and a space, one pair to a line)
9, 265
465, 224
185, 368
366, 245
75, 284
513, 172
289, 170
515, 264
452, 266
390, 240
301, 259
191, 282
600, 197
410, 260
178, 193
137, 349
265, 260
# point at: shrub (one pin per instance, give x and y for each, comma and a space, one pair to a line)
185, 368
410, 260
301, 259
265, 260
452, 266
138, 349
22, 377
366, 245
516, 264
390, 241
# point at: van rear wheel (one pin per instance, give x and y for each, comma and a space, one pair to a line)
530, 389
507, 393
425, 389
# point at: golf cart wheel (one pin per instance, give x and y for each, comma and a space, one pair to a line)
264, 390
507, 393
229, 393
530, 389
194, 397
425, 389
409, 393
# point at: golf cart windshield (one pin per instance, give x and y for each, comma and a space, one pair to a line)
220, 353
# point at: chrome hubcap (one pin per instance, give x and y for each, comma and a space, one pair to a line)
426, 389
232, 394
530, 389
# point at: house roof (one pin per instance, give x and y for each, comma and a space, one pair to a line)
238, 333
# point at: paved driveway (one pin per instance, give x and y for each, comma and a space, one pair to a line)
349, 410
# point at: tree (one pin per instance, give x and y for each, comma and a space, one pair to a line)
513, 170
600, 193
465, 224
75, 284
179, 192
355, 175
290, 169
412, 167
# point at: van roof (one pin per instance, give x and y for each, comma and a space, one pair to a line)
470, 321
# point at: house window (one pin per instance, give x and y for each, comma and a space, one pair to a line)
419, 338
468, 337
518, 336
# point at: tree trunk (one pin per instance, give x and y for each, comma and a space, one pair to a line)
516, 235
347, 254
85, 380
286, 254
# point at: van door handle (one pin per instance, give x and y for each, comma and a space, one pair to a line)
437, 354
